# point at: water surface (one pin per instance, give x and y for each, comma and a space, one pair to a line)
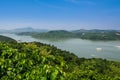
82, 48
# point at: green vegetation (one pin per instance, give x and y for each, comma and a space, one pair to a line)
6, 39
83, 34
105, 35
37, 61
50, 35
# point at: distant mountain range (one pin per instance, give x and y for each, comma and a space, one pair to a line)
27, 29
30, 29
93, 30
83, 34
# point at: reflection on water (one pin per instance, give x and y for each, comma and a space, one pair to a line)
82, 48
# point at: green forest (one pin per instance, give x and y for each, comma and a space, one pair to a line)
38, 61
82, 34
6, 39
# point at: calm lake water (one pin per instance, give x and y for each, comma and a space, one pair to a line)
82, 48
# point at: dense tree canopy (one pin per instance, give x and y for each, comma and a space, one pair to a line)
37, 61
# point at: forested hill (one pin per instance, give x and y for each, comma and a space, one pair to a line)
37, 61
56, 34
83, 34
6, 39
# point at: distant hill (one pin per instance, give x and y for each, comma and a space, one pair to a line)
83, 34
6, 39
55, 34
58, 31
92, 31
24, 29
97, 34
27, 29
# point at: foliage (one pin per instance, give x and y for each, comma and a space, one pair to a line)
101, 36
30, 63
6, 39
87, 34
37, 61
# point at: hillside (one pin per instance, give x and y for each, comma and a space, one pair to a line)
83, 34
6, 39
37, 61
56, 34
27, 29
20, 30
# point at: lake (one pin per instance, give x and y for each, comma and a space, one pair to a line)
82, 48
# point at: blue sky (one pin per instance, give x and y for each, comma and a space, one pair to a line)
60, 14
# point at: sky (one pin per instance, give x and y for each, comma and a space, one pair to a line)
60, 14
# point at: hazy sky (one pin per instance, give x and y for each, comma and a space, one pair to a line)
60, 14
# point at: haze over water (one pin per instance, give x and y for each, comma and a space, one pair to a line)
82, 48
